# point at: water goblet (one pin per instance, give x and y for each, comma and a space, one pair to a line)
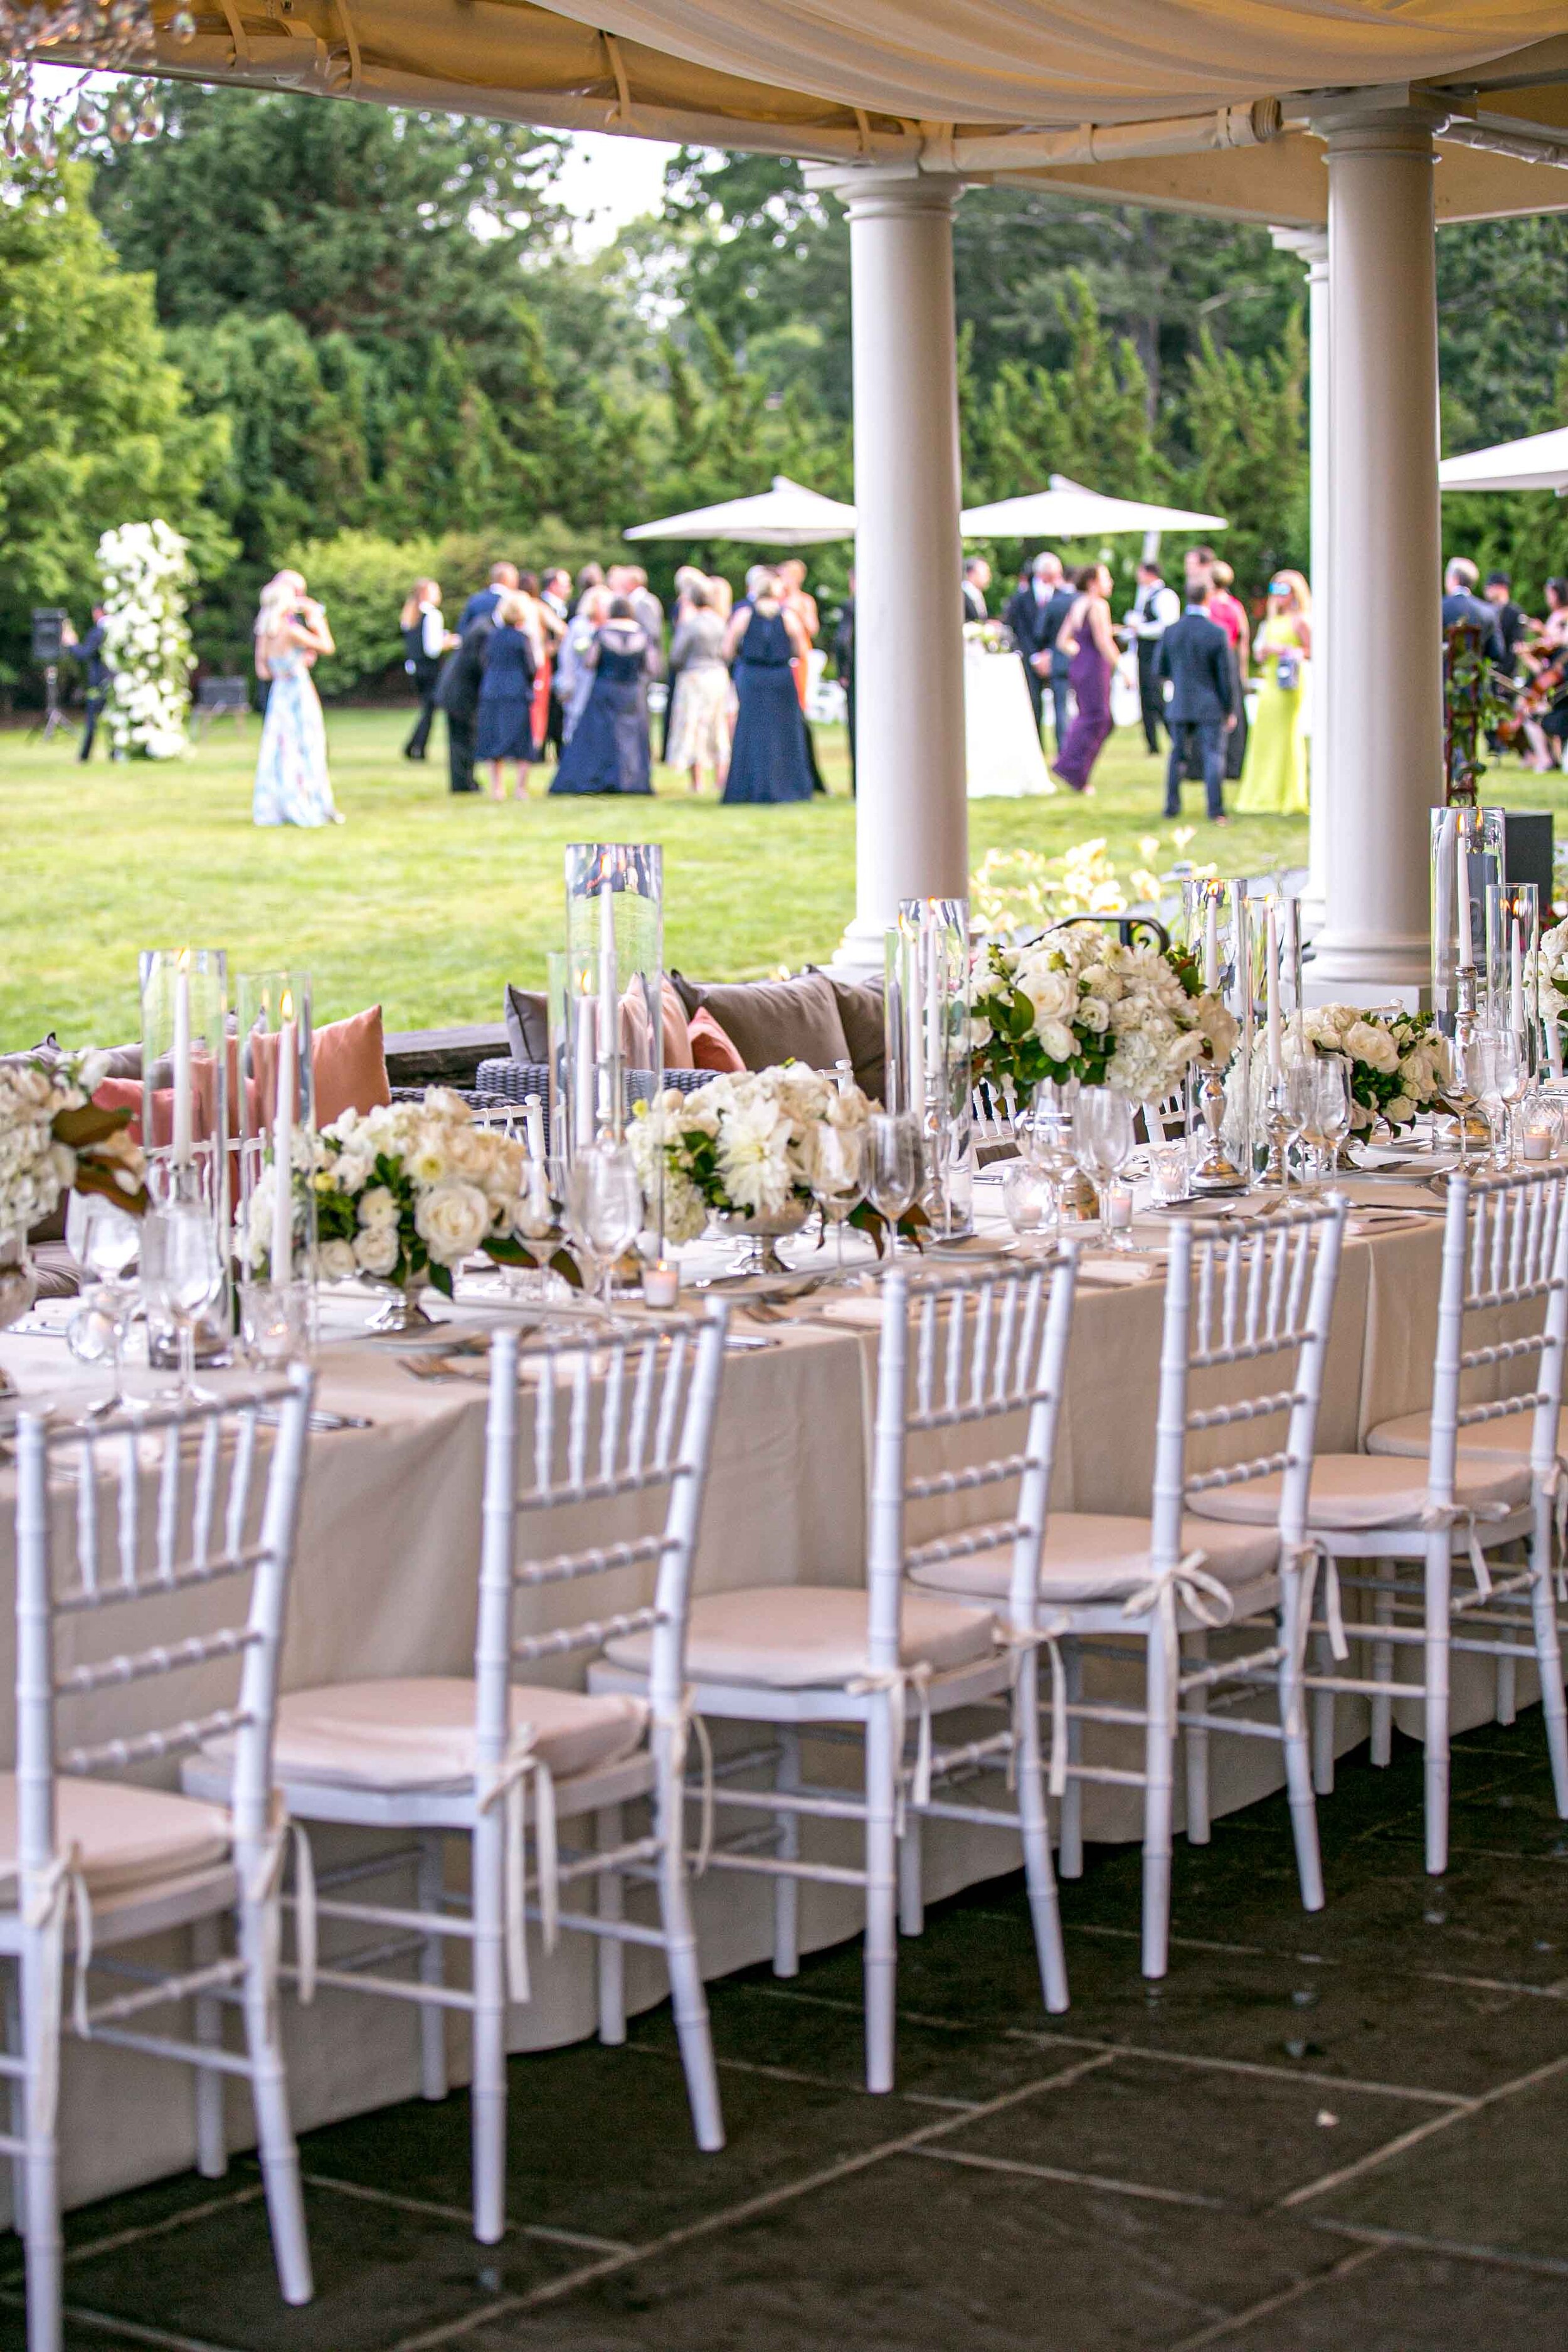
893, 1166
604, 1207
181, 1273
837, 1183
1331, 1106
107, 1240
1298, 1099
1102, 1141
1491, 1074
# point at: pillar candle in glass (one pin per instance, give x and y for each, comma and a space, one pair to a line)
1466, 844
275, 1082
934, 1060
614, 935
186, 1123
1513, 990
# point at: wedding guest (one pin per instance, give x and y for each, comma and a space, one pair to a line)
557, 596
1052, 660
1154, 607
770, 761
798, 599
425, 637
609, 751
458, 700
292, 786
96, 678
976, 580
1087, 642
720, 595
1461, 605
1514, 623
504, 720
700, 736
648, 613
591, 576
544, 634
1274, 780
1194, 655
844, 660
483, 600
575, 674
687, 578
1229, 613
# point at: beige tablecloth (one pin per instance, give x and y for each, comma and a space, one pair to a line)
385, 1584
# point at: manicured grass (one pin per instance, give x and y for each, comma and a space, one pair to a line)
429, 904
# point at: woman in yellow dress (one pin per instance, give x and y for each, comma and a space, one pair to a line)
1274, 773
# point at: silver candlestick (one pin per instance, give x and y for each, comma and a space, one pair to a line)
1215, 1172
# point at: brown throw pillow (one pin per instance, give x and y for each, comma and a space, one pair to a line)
772, 1021
527, 1015
860, 1010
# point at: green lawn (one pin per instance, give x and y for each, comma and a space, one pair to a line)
428, 903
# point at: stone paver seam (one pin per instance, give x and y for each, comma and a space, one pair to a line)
1280, 2302
1204, 2062
366, 2195
241, 2194
1495, 2257
80, 2316
1407, 2141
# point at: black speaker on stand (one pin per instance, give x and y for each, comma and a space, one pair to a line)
50, 642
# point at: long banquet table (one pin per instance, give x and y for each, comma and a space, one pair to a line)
386, 1579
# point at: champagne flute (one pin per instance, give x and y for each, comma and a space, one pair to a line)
182, 1274
1298, 1099
1102, 1139
1331, 1108
893, 1166
604, 1207
840, 1160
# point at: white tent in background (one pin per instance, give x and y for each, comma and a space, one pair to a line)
1068, 511
788, 515
1539, 462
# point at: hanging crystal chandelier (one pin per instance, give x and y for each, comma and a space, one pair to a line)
39, 123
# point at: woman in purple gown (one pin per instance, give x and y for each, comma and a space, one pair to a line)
1087, 641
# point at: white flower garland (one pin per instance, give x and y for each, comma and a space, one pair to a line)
146, 644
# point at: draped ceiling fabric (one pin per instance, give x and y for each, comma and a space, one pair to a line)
911, 82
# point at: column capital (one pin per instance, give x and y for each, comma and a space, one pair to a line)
873, 190
1392, 118
1309, 244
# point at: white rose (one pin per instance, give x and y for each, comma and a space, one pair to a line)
452, 1219
1094, 1014
374, 1248
378, 1207
338, 1262
1057, 1040
1051, 993
1372, 1046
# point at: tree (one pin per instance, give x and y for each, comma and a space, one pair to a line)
95, 426
1245, 420
1088, 418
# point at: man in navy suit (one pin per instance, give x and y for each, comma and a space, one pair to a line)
481, 604
1194, 655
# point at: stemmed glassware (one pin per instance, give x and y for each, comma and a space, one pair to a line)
837, 1183
1493, 1075
893, 1167
1102, 1139
604, 1206
1298, 1098
1329, 1116
106, 1240
182, 1275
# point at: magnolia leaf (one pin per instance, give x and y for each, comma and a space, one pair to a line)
95, 1176
82, 1128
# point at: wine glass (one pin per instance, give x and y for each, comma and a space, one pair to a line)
840, 1160
1298, 1100
1491, 1073
106, 1240
181, 1274
604, 1206
1102, 1139
892, 1166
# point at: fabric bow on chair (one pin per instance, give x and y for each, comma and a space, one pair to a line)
1189, 1585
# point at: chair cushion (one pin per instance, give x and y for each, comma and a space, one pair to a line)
1366, 1490
128, 1837
861, 1011
420, 1733
774, 1021
1496, 1441
1099, 1556
809, 1636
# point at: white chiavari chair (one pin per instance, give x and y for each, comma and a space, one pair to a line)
995, 1115
1247, 1306
159, 1533
960, 1351
1459, 1482
622, 1423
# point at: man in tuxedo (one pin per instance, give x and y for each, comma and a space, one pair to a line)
1154, 607
1194, 655
457, 695
95, 679
483, 602
976, 580
1054, 605
1020, 614
1512, 620
1460, 603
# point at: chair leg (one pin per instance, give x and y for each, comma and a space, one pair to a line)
612, 1952
15, 2048
487, 2097
1323, 1720
430, 1879
1439, 1578
212, 2144
1196, 1746
41, 2202
1070, 1838
274, 2131
1298, 1761
882, 1960
911, 1877
1159, 1764
692, 2030
1383, 1671
1045, 1911
786, 1890
1548, 1657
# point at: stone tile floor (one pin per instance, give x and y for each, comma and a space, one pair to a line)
1342, 2134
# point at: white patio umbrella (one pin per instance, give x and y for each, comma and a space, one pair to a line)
1068, 511
789, 514
1539, 462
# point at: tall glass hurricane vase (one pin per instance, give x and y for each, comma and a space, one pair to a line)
1467, 859
186, 1120
274, 1081
926, 1018
615, 944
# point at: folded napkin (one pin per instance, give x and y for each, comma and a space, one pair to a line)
861, 1310
1102, 1265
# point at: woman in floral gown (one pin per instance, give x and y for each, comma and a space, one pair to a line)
292, 786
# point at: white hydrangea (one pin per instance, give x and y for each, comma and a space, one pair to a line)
774, 1133
1082, 986
146, 643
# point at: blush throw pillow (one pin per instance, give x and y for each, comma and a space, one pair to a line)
711, 1048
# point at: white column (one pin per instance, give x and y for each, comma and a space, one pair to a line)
1311, 245
912, 829
1384, 733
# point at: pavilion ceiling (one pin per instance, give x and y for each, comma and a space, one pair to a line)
927, 80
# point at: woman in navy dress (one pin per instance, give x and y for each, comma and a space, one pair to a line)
503, 728
771, 760
609, 748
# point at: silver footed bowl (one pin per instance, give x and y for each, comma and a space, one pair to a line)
761, 1235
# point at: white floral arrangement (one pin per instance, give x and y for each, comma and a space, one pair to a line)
1549, 966
409, 1191
1079, 1005
53, 1140
747, 1144
1399, 1064
1022, 889
146, 643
